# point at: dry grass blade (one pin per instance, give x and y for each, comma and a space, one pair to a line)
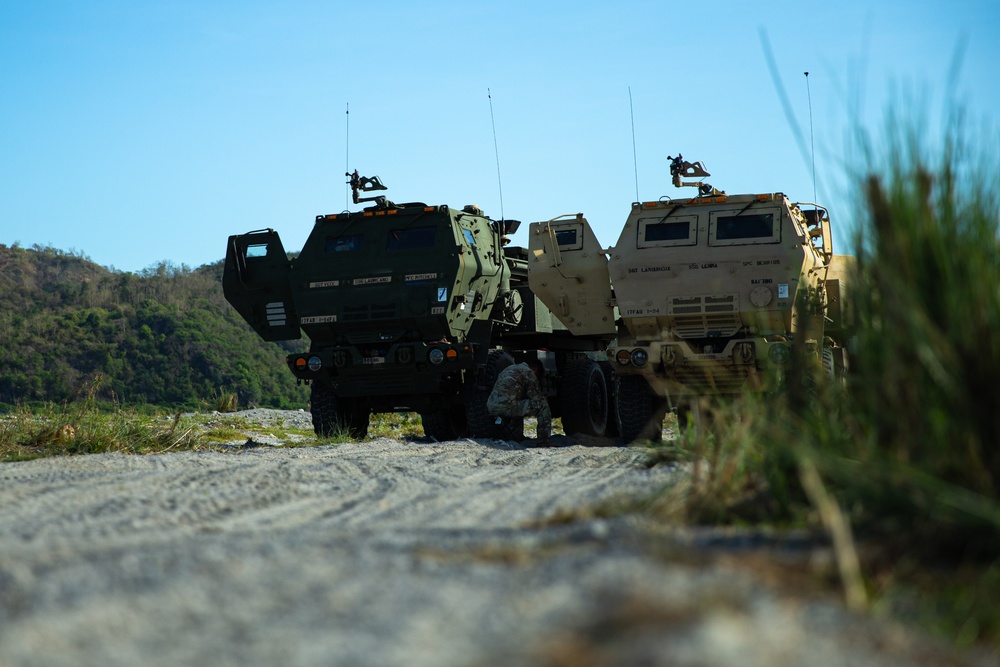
839, 529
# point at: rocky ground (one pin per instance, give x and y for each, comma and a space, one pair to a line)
402, 553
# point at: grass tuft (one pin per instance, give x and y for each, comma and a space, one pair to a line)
905, 457
399, 425
68, 430
225, 401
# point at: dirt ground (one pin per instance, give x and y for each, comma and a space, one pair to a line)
384, 552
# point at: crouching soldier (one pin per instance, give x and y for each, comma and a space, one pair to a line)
517, 394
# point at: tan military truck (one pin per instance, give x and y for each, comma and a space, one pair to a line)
705, 294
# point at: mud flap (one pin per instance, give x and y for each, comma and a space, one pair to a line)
255, 282
568, 271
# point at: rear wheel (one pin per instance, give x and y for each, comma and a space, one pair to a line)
611, 383
333, 416
481, 423
447, 424
583, 398
640, 411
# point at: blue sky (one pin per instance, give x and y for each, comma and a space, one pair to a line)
137, 132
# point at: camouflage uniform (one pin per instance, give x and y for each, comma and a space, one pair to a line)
516, 394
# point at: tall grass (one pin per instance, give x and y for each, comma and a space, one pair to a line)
81, 424
906, 457
925, 410
63, 430
223, 400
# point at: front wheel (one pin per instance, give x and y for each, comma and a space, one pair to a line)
481, 423
640, 411
612, 384
583, 399
333, 416
446, 424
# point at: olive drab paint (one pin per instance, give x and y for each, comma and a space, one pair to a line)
407, 307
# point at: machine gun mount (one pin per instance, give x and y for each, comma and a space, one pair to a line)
681, 168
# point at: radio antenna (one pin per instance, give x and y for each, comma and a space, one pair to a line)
496, 151
812, 145
347, 153
635, 162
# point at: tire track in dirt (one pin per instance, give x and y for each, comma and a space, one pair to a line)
383, 553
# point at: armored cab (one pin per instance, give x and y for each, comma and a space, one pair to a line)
408, 307
711, 290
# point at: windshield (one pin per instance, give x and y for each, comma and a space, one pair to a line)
413, 238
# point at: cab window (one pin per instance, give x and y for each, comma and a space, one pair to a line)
412, 238
659, 232
744, 229
344, 243
256, 250
570, 236
566, 238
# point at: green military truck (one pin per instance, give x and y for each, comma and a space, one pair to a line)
710, 290
410, 307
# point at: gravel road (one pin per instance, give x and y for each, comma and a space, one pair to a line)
463, 553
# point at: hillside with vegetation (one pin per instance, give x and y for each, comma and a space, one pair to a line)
165, 336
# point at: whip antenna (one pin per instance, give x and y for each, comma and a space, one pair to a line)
812, 145
635, 162
347, 153
496, 151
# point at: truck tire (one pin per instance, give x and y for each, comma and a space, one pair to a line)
481, 423
583, 398
447, 424
333, 416
640, 412
610, 381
